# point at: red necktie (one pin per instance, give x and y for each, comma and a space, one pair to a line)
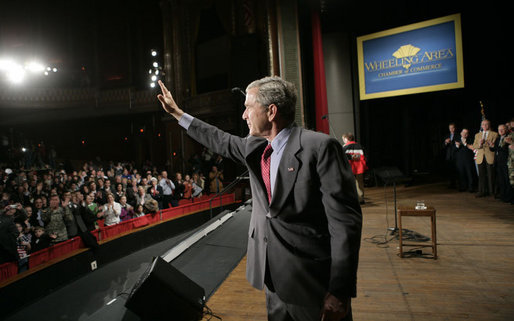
265, 170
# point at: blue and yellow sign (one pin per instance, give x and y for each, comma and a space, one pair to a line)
421, 57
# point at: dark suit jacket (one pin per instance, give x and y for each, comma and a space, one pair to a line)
310, 233
450, 148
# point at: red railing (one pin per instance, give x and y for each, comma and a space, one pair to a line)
8, 270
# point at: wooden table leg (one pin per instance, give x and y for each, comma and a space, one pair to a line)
434, 235
400, 233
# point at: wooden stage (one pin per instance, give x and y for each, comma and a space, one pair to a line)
472, 279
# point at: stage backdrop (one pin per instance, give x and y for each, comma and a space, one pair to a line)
421, 57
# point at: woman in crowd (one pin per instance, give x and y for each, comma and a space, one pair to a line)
112, 211
139, 211
155, 191
127, 211
188, 187
119, 192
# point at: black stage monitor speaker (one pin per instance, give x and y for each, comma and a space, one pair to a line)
164, 293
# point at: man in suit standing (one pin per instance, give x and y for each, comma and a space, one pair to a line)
449, 151
484, 140
305, 229
501, 159
464, 160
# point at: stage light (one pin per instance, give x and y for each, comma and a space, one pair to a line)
16, 74
153, 73
35, 67
23, 149
6, 64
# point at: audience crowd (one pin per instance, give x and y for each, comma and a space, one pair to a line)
482, 161
44, 206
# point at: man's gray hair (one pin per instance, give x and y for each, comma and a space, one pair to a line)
277, 91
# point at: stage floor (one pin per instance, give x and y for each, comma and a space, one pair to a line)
472, 279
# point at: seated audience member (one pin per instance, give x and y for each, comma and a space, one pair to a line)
151, 207
36, 219
108, 187
100, 197
142, 197
179, 187
132, 191
39, 191
100, 184
119, 192
23, 248
198, 180
155, 191
111, 211
93, 188
144, 183
55, 217
188, 188
91, 213
20, 216
464, 160
127, 211
216, 178
28, 212
139, 211
8, 236
71, 226
40, 239
21, 195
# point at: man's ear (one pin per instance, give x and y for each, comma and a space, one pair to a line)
272, 112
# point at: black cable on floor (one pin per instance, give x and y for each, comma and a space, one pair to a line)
208, 312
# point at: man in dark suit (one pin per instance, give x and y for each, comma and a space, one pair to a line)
449, 153
305, 229
501, 159
464, 160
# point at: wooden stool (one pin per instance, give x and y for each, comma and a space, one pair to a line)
410, 211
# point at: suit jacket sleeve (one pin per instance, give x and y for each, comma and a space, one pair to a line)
225, 144
339, 197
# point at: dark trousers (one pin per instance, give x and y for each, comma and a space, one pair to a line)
467, 174
279, 310
505, 190
485, 178
166, 200
451, 172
